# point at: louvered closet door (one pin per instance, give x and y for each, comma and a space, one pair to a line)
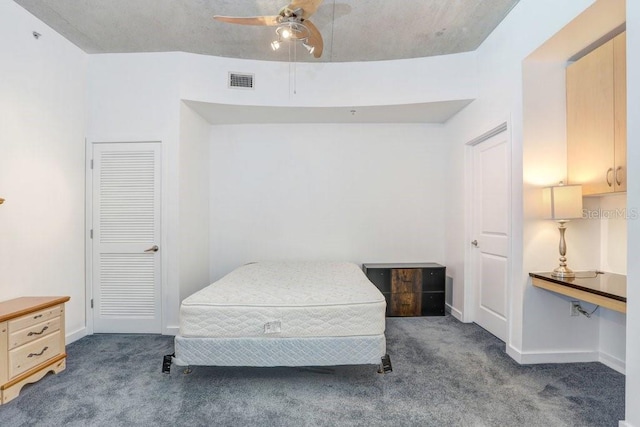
126, 237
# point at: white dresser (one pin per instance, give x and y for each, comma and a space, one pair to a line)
32, 342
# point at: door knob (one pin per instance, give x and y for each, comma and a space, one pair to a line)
153, 248
475, 243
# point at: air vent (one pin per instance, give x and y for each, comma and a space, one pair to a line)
240, 81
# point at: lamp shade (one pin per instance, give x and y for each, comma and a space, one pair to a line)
562, 202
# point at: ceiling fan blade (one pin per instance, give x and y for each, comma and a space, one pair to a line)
308, 7
315, 39
269, 21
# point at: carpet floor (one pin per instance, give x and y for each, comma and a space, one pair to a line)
445, 373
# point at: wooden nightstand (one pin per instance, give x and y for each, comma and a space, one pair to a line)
32, 342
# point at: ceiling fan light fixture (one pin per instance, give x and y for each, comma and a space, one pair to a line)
291, 24
309, 48
286, 33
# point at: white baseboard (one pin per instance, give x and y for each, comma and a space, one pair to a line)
75, 336
624, 424
532, 358
514, 353
613, 362
171, 330
454, 312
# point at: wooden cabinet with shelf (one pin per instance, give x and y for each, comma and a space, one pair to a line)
410, 289
32, 342
596, 119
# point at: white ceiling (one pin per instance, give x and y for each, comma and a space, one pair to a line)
353, 30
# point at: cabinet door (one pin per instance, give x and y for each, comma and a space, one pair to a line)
620, 100
406, 290
590, 121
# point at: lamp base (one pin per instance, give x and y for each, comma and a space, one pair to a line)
563, 272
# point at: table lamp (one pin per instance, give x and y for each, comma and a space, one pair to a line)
562, 203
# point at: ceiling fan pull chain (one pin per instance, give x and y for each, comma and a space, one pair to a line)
289, 46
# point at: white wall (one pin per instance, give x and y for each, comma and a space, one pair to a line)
194, 202
613, 231
360, 193
531, 94
135, 97
500, 58
530, 90
42, 155
601, 337
633, 226
439, 78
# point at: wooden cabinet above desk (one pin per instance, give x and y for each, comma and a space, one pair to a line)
607, 290
597, 119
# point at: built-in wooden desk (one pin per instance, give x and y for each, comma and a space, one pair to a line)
607, 290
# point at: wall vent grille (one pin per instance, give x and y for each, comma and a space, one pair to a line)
240, 81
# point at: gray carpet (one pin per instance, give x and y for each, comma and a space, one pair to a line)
446, 373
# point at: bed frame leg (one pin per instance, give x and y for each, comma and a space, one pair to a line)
166, 363
385, 365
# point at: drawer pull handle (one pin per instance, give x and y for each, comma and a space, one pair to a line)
618, 181
38, 316
38, 333
38, 354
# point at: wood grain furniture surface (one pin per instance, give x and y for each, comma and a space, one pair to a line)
596, 119
32, 342
410, 289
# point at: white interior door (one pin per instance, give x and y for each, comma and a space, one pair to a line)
490, 236
126, 273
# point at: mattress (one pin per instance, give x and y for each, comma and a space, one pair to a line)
286, 299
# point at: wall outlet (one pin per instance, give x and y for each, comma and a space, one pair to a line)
575, 308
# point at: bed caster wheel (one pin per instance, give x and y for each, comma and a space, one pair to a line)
187, 370
385, 366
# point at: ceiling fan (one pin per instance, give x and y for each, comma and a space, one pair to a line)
292, 24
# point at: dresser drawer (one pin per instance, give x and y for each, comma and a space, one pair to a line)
33, 332
34, 318
23, 358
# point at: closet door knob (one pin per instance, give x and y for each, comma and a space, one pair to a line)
153, 248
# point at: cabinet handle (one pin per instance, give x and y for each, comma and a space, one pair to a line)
38, 354
618, 181
38, 316
38, 333
609, 183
